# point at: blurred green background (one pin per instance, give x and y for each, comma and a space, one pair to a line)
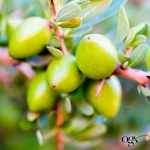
16, 133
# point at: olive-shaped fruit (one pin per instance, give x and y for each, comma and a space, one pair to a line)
39, 96
63, 75
29, 38
11, 26
109, 99
96, 56
9, 114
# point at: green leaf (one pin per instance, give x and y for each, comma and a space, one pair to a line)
139, 27
122, 58
68, 11
94, 9
76, 124
145, 30
144, 90
138, 55
54, 41
55, 52
92, 132
86, 109
80, 1
115, 4
39, 11
123, 25
52, 119
130, 37
85, 144
67, 105
53, 24
84, 4
139, 39
148, 60
72, 23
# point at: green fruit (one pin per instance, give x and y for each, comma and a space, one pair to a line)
11, 26
63, 75
9, 114
96, 56
39, 96
29, 38
109, 99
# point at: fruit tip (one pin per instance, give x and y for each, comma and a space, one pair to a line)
53, 86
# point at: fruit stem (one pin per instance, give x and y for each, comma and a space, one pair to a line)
139, 76
57, 30
59, 134
99, 87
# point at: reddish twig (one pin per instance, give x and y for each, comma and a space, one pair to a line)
26, 70
58, 31
54, 9
99, 87
59, 121
60, 117
139, 76
5, 59
23, 68
128, 51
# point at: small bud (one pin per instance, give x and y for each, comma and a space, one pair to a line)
39, 137
148, 136
31, 116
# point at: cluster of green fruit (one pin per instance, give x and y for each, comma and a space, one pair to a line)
96, 59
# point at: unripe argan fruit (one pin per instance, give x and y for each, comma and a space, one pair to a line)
96, 56
63, 75
39, 96
29, 38
109, 99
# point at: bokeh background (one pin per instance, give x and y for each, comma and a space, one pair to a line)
16, 133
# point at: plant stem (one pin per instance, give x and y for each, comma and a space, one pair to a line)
23, 68
59, 121
26, 70
57, 30
128, 51
60, 117
139, 76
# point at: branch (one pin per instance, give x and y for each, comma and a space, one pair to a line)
139, 76
26, 70
5, 59
58, 31
23, 68
59, 134
128, 51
